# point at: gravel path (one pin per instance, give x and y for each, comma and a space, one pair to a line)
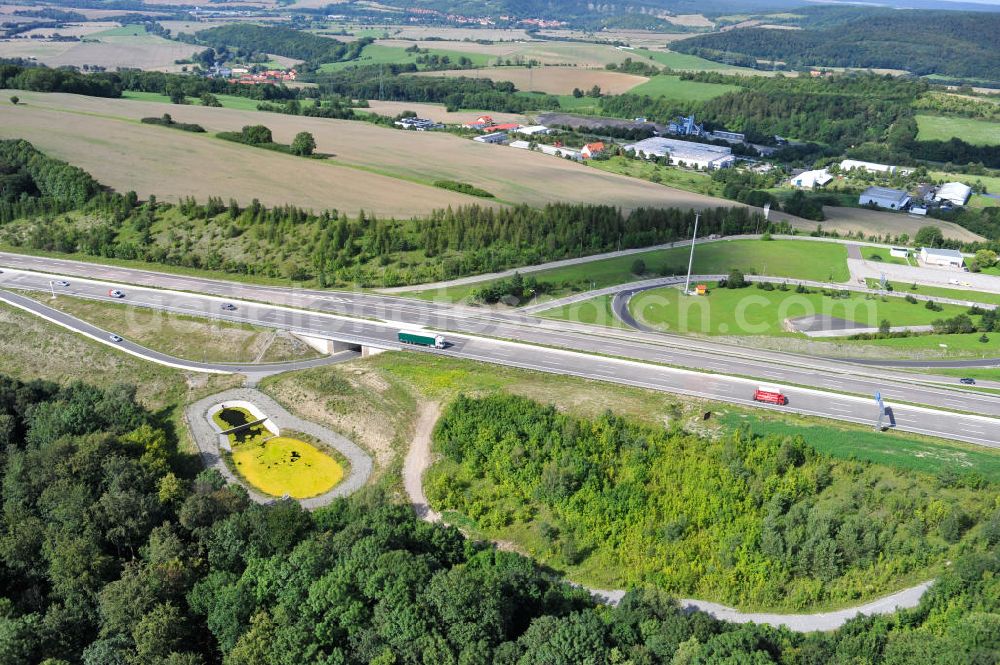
207, 440
418, 458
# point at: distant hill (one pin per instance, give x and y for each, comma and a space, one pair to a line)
950, 44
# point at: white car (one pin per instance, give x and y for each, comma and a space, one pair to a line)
62, 282
116, 293
115, 338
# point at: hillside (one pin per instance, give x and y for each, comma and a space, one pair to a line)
952, 44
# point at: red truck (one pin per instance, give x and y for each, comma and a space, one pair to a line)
770, 395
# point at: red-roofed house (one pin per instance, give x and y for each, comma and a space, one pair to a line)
505, 127
479, 123
592, 150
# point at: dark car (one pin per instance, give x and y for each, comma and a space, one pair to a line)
968, 381
229, 307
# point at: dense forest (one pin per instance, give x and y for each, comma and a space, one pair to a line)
279, 40
742, 519
329, 247
32, 183
948, 43
389, 82
111, 554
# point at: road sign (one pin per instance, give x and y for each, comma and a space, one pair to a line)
878, 396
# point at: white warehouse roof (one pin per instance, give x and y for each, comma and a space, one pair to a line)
696, 154
883, 197
953, 254
810, 179
955, 192
849, 164
533, 129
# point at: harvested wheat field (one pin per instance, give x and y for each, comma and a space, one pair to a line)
142, 52
173, 164
438, 112
101, 135
553, 80
576, 54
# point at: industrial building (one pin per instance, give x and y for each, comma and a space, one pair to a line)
496, 137
883, 197
555, 150
533, 130
419, 124
685, 127
812, 179
948, 258
851, 164
688, 153
732, 137
953, 192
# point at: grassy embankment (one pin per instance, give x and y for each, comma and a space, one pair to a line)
183, 336
754, 311
882, 255
941, 292
794, 259
31, 348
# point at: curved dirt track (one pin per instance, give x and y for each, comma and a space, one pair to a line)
418, 459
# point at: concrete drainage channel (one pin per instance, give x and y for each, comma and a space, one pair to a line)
208, 437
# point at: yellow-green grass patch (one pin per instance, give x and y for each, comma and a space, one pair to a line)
283, 465
943, 128
673, 87
277, 465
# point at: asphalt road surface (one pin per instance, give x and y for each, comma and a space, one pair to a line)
633, 353
251, 369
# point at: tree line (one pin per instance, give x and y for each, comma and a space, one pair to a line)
32, 183
258, 39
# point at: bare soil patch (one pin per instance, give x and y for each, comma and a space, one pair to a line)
845, 220
143, 52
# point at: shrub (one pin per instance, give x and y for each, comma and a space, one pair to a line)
303, 144
463, 187
638, 267
736, 279
910, 299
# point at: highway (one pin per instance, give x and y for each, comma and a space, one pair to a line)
633, 353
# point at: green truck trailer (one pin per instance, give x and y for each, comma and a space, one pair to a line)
421, 339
